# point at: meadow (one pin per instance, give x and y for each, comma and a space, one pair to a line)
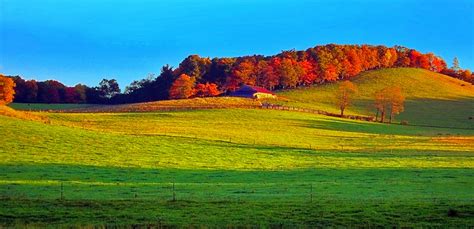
318, 171
236, 167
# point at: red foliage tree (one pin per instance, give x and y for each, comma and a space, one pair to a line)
243, 73
414, 58
7, 90
206, 90
182, 87
309, 74
70, 95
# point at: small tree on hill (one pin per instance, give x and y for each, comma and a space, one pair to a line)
344, 95
389, 99
7, 90
182, 87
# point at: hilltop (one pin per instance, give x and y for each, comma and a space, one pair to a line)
431, 98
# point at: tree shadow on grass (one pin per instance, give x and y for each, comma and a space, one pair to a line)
456, 113
384, 128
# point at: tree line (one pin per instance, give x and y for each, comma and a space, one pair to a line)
201, 76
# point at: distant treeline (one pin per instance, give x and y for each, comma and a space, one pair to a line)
199, 76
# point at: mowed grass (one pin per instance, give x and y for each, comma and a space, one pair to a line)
431, 99
245, 167
231, 139
232, 167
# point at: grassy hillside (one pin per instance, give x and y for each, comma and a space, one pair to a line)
232, 167
244, 167
432, 98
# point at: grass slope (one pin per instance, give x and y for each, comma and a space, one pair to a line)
432, 98
232, 167
48, 107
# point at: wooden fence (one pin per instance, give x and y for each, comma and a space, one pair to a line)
314, 111
121, 108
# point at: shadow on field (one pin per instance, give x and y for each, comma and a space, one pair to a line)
440, 113
52, 194
413, 128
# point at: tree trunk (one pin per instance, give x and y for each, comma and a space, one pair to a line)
377, 115
382, 116
342, 111
391, 115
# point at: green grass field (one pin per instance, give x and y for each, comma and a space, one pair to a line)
431, 98
48, 107
235, 167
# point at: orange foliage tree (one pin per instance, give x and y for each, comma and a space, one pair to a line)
389, 100
243, 73
206, 90
344, 95
7, 90
182, 87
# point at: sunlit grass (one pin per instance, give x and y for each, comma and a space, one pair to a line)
230, 166
432, 98
228, 139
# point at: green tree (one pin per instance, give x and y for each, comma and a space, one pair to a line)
456, 67
108, 88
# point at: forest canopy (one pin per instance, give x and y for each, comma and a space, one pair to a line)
201, 76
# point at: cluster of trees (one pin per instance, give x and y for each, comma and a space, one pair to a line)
198, 76
459, 73
6, 90
389, 100
185, 87
52, 91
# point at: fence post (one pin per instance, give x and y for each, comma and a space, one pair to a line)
311, 193
62, 191
174, 193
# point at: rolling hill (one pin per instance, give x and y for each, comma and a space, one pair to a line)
239, 164
431, 99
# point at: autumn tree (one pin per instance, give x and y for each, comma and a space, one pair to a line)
194, 66
466, 75
206, 90
288, 72
345, 95
7, 90
80, 94
389, 100
308, 72
182, 87
50, 91
219, 71
243, 73
70, 95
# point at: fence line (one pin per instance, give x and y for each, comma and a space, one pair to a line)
315, 111
309, 192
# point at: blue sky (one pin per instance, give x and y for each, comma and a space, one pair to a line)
84, 41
